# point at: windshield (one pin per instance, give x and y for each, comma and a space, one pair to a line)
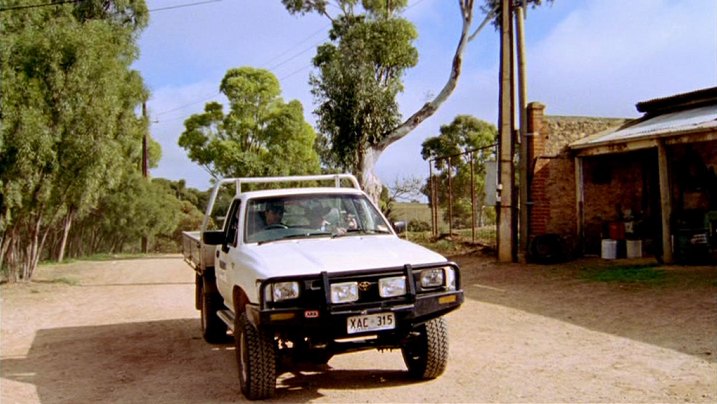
307, 216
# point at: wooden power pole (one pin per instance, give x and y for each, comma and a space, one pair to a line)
506, 234
145, 169
524, 159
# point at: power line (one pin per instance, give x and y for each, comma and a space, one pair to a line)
58, 3
295, 72
184, 5
296, 55
414, 4
26, 6
277, 57
297, 44
206, 98
312, 47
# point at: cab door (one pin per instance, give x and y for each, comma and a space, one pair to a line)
224, 261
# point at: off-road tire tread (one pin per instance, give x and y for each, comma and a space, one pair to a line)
430, 350
261, 361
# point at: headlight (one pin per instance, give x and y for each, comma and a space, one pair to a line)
345, 292
432, 278
280, 291
389, 287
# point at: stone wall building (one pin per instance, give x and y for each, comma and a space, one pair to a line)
651, 179
552, 202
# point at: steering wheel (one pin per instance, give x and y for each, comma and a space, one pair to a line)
276, 226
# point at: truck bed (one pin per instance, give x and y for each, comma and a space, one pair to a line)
195, 254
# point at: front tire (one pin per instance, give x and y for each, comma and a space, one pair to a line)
256, 359
214, 330
426, 351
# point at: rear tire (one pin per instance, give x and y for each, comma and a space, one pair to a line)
256, 359
214, 330
426, 351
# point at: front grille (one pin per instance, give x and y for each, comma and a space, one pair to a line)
315, 291
368, 289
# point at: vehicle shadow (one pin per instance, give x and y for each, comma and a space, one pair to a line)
297, 385
677, 310
159, 361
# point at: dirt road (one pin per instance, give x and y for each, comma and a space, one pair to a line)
127, 331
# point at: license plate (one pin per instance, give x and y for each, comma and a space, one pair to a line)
370, 322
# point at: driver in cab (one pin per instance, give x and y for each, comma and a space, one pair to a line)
273, 214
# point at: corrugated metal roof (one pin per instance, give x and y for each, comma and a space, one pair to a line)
692, 99
662, 125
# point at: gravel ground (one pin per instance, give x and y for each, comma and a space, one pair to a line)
127, 331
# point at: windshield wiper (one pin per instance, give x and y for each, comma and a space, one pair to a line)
359, 231
297, 235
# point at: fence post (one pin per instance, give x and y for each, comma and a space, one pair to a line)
432, 187
473, 201
450, 199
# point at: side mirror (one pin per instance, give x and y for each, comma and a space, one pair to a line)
213, 237
400, 227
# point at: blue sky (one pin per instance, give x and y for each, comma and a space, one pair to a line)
584, 58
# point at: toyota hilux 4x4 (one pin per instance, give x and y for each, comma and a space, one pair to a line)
308, 273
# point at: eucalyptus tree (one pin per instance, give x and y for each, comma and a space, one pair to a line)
465, 143
360, 70
258, 135
491, 8
360, 74
120, 219
68, 116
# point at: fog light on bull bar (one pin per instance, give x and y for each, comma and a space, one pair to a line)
390, 287
345, 292
432, 278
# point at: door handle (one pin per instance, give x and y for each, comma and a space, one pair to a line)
217, 253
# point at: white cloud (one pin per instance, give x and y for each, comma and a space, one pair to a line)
607, 55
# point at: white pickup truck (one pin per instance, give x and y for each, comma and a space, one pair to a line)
307, 273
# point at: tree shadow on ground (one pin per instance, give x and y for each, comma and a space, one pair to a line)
677, 310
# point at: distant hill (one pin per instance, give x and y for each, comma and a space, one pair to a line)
407, 211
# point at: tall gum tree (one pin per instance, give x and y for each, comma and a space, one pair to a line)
68, 100
359, 118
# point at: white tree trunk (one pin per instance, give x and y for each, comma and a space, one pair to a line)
370, 183
429, 108
65, 234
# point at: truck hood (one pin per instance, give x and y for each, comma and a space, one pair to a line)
313, 256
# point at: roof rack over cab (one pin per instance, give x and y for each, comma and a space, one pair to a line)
265, 180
